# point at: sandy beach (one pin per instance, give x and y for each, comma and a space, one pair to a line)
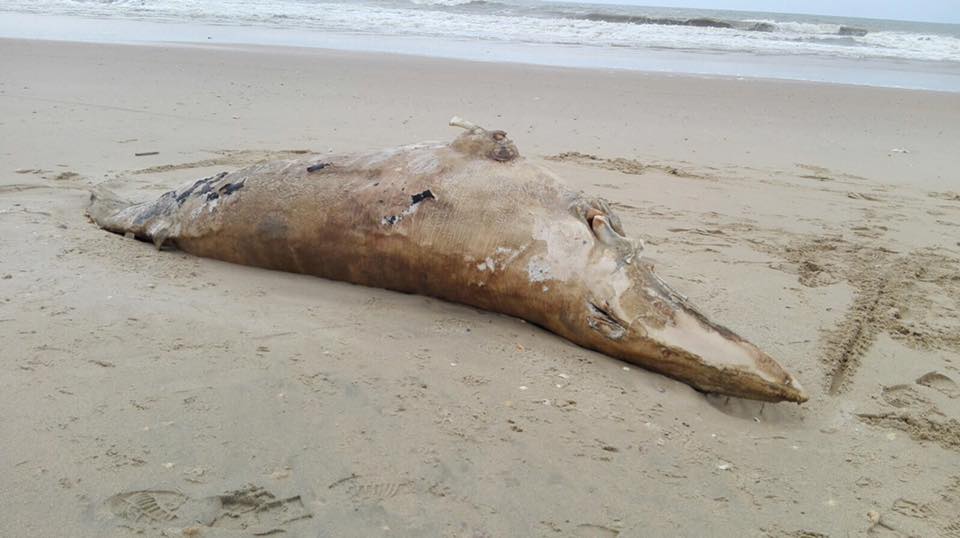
820, 221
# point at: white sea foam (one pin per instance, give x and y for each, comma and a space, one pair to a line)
442, 2
584, 25
800, 27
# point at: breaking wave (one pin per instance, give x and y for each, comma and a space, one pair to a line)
745, 25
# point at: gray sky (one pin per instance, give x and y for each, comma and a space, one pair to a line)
914, 10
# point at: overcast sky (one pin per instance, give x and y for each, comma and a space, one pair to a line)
913, 10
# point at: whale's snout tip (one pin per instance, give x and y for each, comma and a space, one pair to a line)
795, 392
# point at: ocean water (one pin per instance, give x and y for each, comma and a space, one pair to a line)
830, 49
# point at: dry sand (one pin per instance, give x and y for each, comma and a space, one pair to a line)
239, 401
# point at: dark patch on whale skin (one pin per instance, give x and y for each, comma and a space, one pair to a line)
200, 187
417, 198
166, 205
231, 188
203, 184
414, 200
171, 201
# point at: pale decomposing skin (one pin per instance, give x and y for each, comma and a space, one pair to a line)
471, 222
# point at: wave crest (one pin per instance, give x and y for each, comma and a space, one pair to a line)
451, 3
749, 25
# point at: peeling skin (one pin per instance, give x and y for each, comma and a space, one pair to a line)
470, 222
539, 271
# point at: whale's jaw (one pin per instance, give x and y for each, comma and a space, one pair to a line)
649, 324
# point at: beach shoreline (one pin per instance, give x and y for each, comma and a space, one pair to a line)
873, 72
817, 220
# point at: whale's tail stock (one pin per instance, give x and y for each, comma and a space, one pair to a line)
147, 221
105, 208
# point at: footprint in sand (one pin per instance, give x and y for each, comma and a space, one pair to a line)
252, 509
916, 416
148, 506
371, 491
904, 397
940, 382
936, 517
